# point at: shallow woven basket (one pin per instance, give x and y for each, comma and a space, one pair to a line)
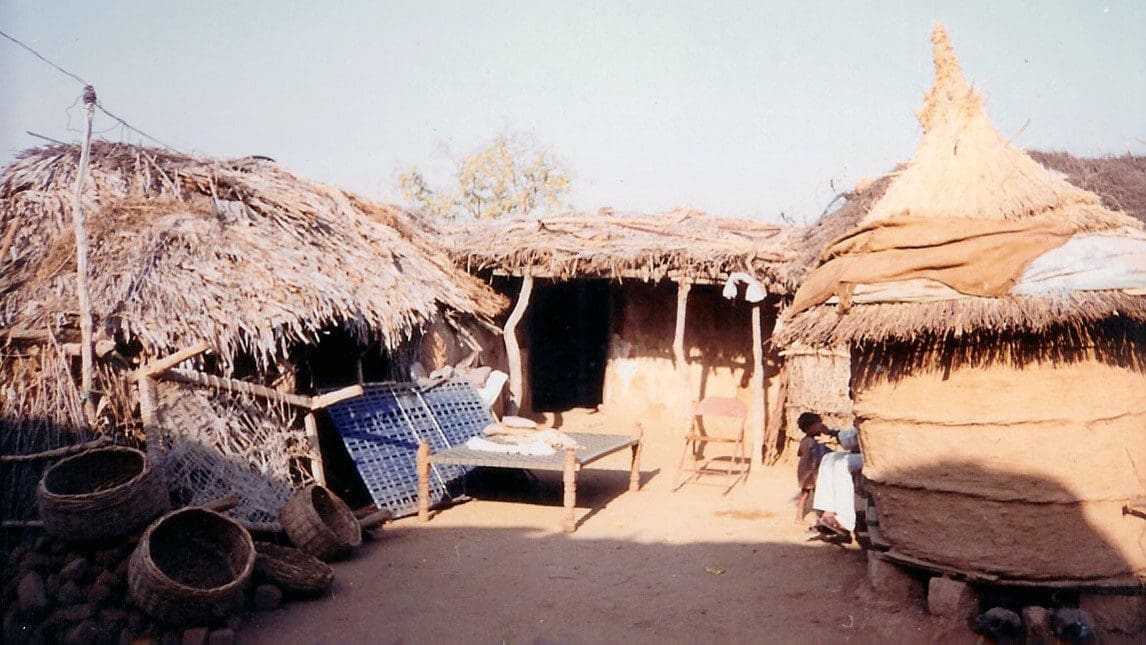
191, 567
292, 569
100, 494
320, 523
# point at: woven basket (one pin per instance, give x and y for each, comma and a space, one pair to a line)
100, 494
320, 523
292, 569
191, 567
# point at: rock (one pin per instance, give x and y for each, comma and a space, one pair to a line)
894, 583
144, 639
70, 593
1073, 624
106, 558
16, 555
33, 561
42, 544
77, 613
1116, 612
52, 584
1002, 625
135, 621
195, 636
225, 636
951, 599
267, 597
31, 595
113, 616
57, 546
77, 569
85, 633
1037, 622
100, 593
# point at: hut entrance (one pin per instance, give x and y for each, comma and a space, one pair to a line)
568, 334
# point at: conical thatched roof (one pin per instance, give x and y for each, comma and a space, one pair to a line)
679, 244
964, 194
963, 167
240, 254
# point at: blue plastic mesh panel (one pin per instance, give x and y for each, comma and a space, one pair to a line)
382, 428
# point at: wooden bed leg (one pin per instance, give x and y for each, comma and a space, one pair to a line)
423, 463
570, 476
635, 469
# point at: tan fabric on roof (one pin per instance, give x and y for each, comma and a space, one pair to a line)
973, 257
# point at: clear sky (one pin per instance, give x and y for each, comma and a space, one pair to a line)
734, 108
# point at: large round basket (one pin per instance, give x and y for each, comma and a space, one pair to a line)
191, 567
100, 494
320, 523
292, 569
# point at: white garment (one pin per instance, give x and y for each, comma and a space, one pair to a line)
835, 490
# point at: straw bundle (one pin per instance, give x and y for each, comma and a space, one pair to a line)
191, 567
683, 244
100, 494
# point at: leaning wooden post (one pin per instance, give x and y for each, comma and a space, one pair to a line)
635, 468
316, 468
148, 414
759, 404
679, 357
512, 348
86, 360
570, 477
423, 464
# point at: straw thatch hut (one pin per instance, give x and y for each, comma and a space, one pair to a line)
624, 312
290, 285
819, 376
996, 319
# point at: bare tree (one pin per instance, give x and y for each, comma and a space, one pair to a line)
512, 174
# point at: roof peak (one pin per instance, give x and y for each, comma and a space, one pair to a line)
951, 97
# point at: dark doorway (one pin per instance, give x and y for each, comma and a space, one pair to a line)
569, 334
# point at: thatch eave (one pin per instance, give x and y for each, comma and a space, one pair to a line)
683, 245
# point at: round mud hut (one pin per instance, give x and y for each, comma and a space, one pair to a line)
996, 320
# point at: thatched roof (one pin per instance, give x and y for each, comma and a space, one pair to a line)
241, 254
1119, 180
679, 244
964, 170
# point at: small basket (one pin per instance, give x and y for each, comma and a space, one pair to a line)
191, 567
100, 494
292, 569
320, 523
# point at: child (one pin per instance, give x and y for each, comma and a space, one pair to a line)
810, 453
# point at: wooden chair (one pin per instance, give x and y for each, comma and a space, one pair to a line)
699, 434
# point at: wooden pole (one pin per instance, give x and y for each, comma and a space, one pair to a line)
86, 359
422, 460
316, 468
148, 407
759, 403
513, 349
569, 474
679, 357
635, 468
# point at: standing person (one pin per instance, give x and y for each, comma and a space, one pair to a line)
810, 453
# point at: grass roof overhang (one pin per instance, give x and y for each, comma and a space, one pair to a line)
679, 245
240, 254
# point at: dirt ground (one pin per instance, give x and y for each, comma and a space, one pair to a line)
652, 567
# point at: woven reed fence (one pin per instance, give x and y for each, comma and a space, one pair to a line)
818, 381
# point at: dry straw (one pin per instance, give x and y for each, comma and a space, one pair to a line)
680, 244
963, 168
